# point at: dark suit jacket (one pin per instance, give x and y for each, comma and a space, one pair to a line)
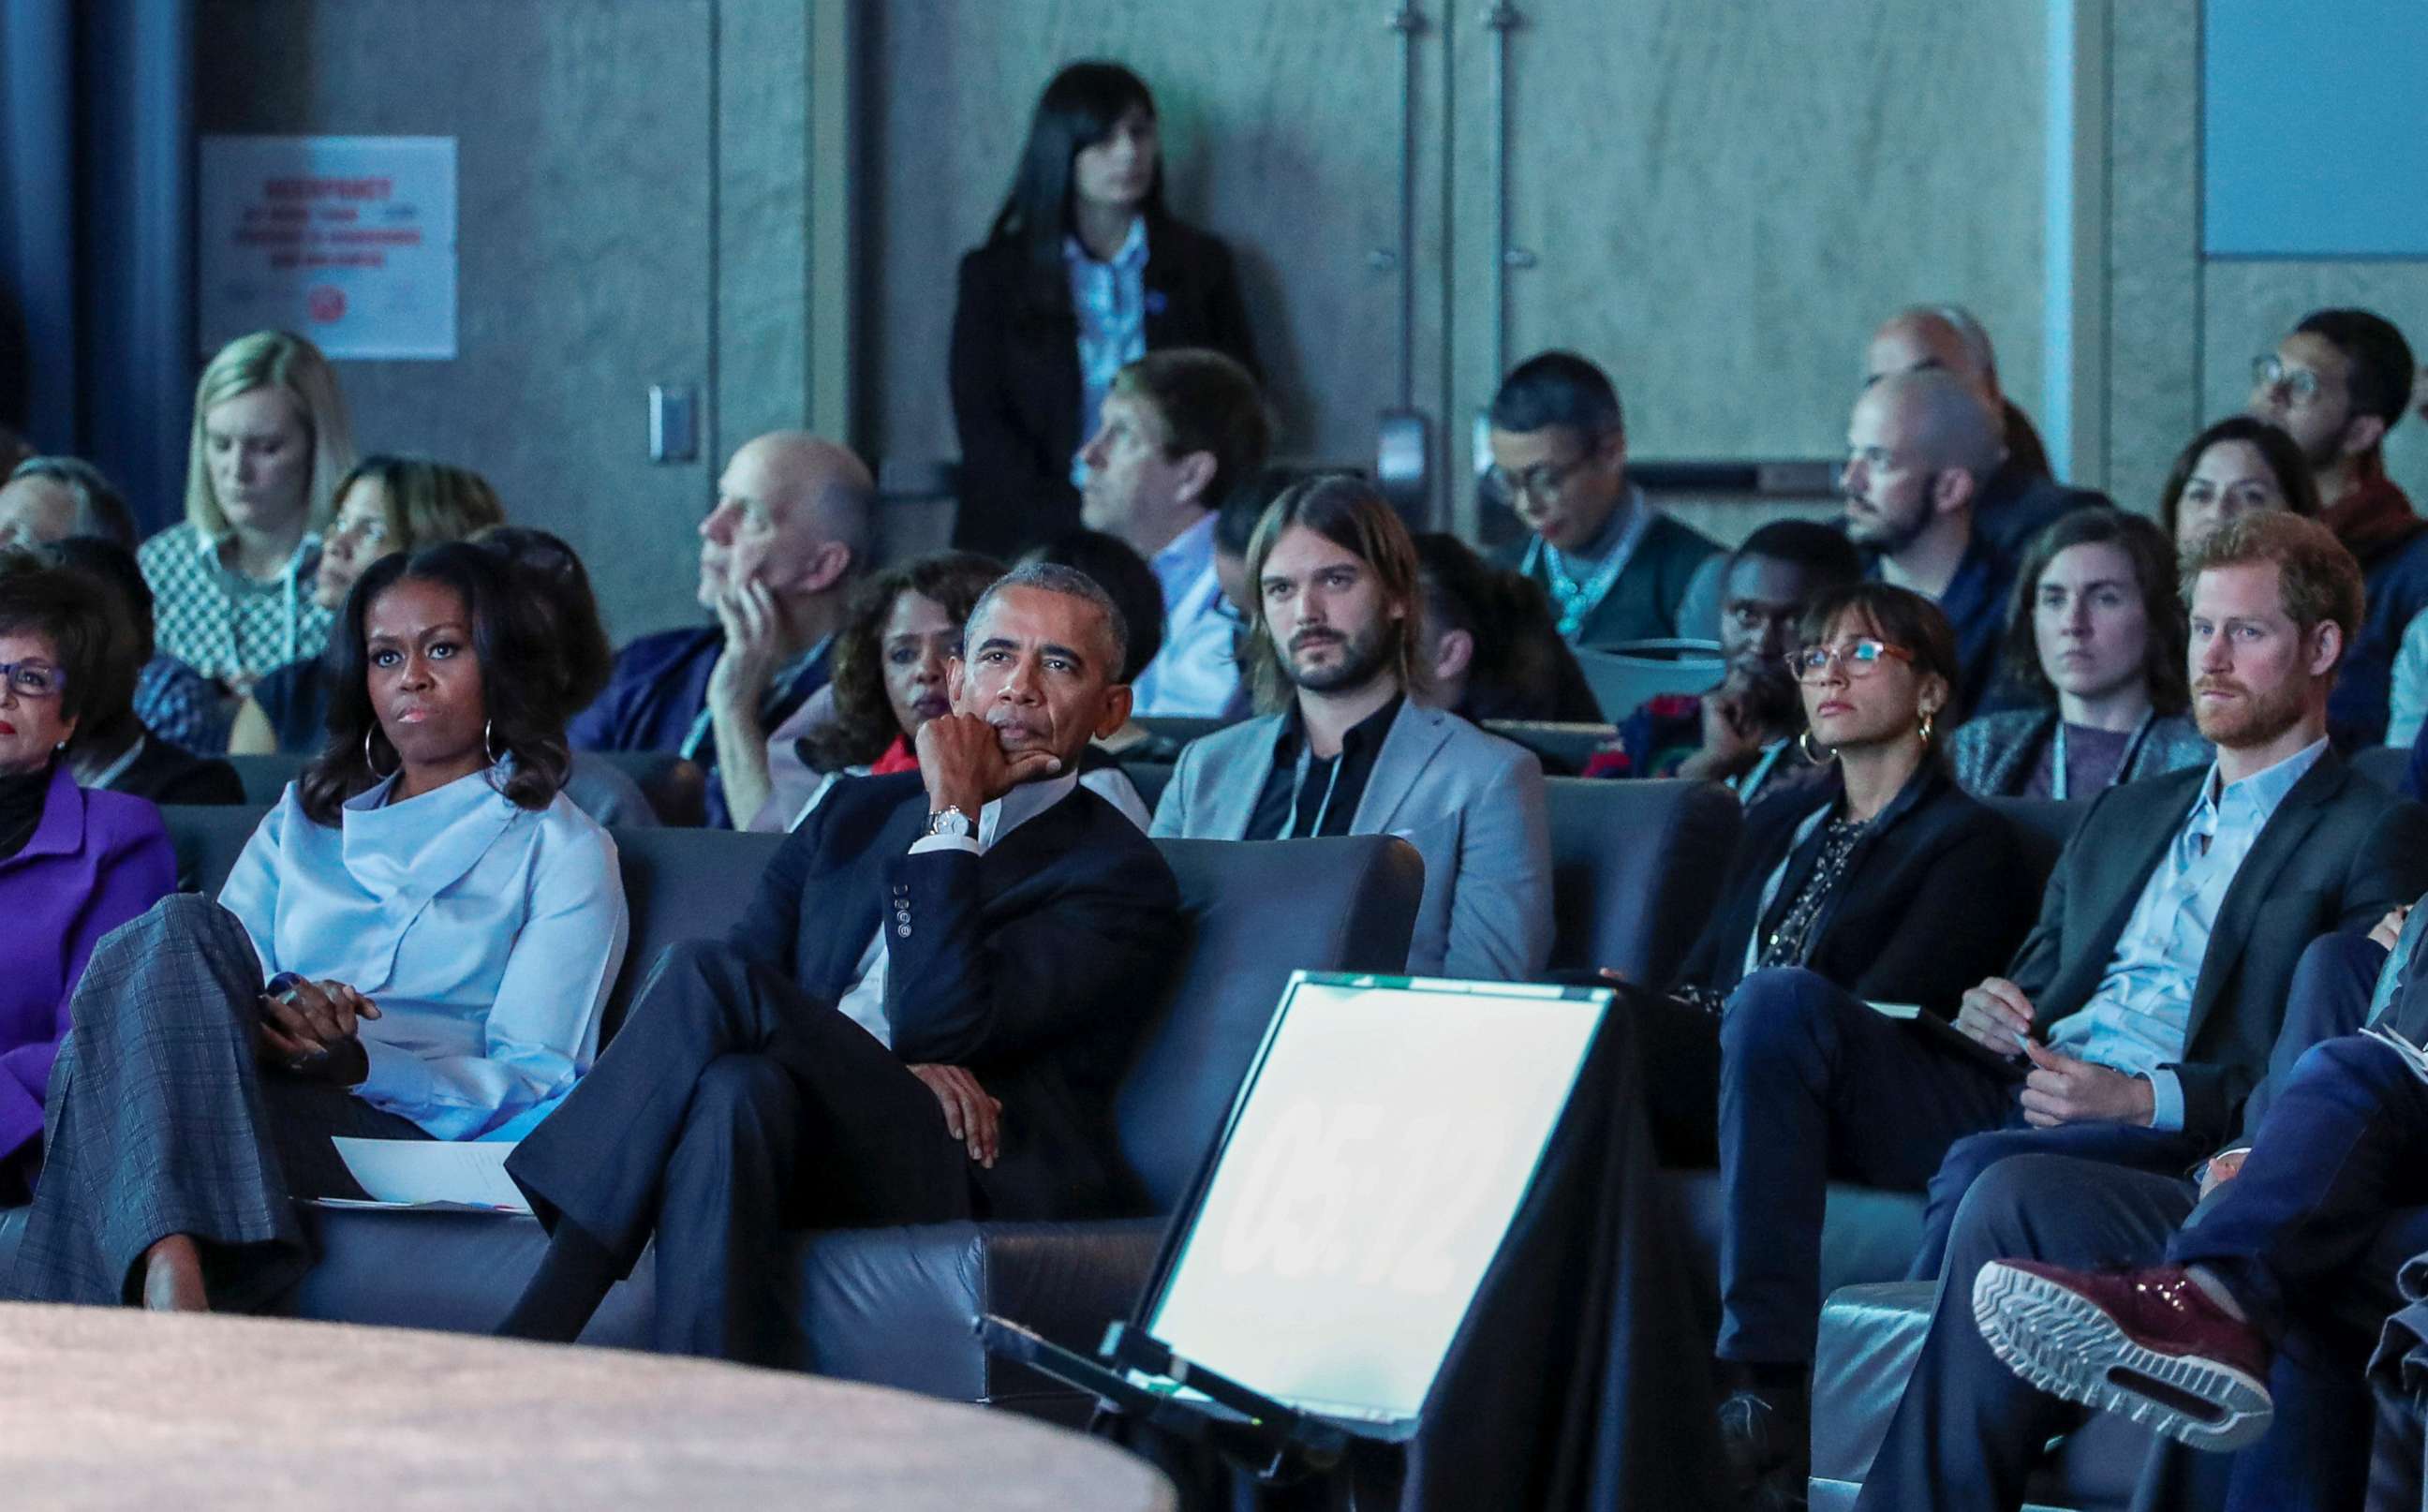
1015, 377
2338, 852
1034, 964
2017, 502
1925, 911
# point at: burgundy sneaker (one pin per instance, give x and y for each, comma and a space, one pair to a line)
2149, 1345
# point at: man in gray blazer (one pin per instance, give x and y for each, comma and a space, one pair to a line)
1347, 747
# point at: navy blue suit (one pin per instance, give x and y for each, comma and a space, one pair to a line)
738, 1102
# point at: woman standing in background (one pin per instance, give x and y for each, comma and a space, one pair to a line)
1084, 269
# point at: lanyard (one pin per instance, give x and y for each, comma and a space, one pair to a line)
116, 769
1298, 787
2132, 748
1745, 785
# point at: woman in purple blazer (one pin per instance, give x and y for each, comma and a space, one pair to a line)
74, 865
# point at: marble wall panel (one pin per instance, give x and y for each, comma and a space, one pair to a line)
2154, 293
584, 154
764, 179
1723, 200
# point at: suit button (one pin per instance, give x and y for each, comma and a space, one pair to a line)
902, 929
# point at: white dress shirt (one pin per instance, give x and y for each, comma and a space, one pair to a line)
487, 936
864, 1002
1194, 674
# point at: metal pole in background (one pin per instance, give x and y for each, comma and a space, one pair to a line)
1500, 20
1402, 442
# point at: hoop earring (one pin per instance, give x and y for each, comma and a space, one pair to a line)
369, 764
485, 748
1804, 745
1926, 726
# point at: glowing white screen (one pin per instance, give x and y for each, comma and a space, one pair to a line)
1388, 1139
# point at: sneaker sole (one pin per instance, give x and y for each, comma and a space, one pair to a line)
2066, 1345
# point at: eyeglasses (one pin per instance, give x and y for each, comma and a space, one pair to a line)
34, 680
2271, 372
1543, 481
1861, 657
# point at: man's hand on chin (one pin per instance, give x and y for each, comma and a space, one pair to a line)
963, 762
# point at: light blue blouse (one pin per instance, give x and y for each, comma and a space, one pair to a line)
487, 935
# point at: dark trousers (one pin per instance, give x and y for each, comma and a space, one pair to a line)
2310, 1236
1968, 1430
731, 1108
1814, 1085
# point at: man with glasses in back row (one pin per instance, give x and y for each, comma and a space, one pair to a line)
1615, 568
2337, 385
2135, 1018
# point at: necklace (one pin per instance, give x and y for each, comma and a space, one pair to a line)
1576, 600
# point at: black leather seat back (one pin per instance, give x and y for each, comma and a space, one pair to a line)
1253, 913
2043, 826
681, 884
209, 838
1635, 869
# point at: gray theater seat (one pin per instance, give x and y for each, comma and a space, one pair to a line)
894, 1305
266, 776
1636, 868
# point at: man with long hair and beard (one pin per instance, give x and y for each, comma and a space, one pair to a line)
1346, 746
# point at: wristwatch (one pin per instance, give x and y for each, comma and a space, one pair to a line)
951, 823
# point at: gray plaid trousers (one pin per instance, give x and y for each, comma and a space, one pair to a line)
160, 1122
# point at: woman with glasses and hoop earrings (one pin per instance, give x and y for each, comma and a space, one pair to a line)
417, 944
1881, 875
73, 864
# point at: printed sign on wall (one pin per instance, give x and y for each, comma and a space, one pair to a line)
349, 240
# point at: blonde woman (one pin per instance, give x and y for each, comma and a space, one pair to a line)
385, 504
234, 581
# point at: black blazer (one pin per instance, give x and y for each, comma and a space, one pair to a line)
1927, 907
1034, 965
1015, 376
2338, 852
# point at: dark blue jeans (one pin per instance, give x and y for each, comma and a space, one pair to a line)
1815, 1085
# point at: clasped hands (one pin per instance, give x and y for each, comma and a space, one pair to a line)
313, 1029
2059, 1089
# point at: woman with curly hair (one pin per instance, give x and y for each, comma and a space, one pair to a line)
415, 944
901, 628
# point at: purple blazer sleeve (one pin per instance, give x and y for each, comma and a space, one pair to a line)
132, 866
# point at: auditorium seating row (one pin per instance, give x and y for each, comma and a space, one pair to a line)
1637, 869
894, 1305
